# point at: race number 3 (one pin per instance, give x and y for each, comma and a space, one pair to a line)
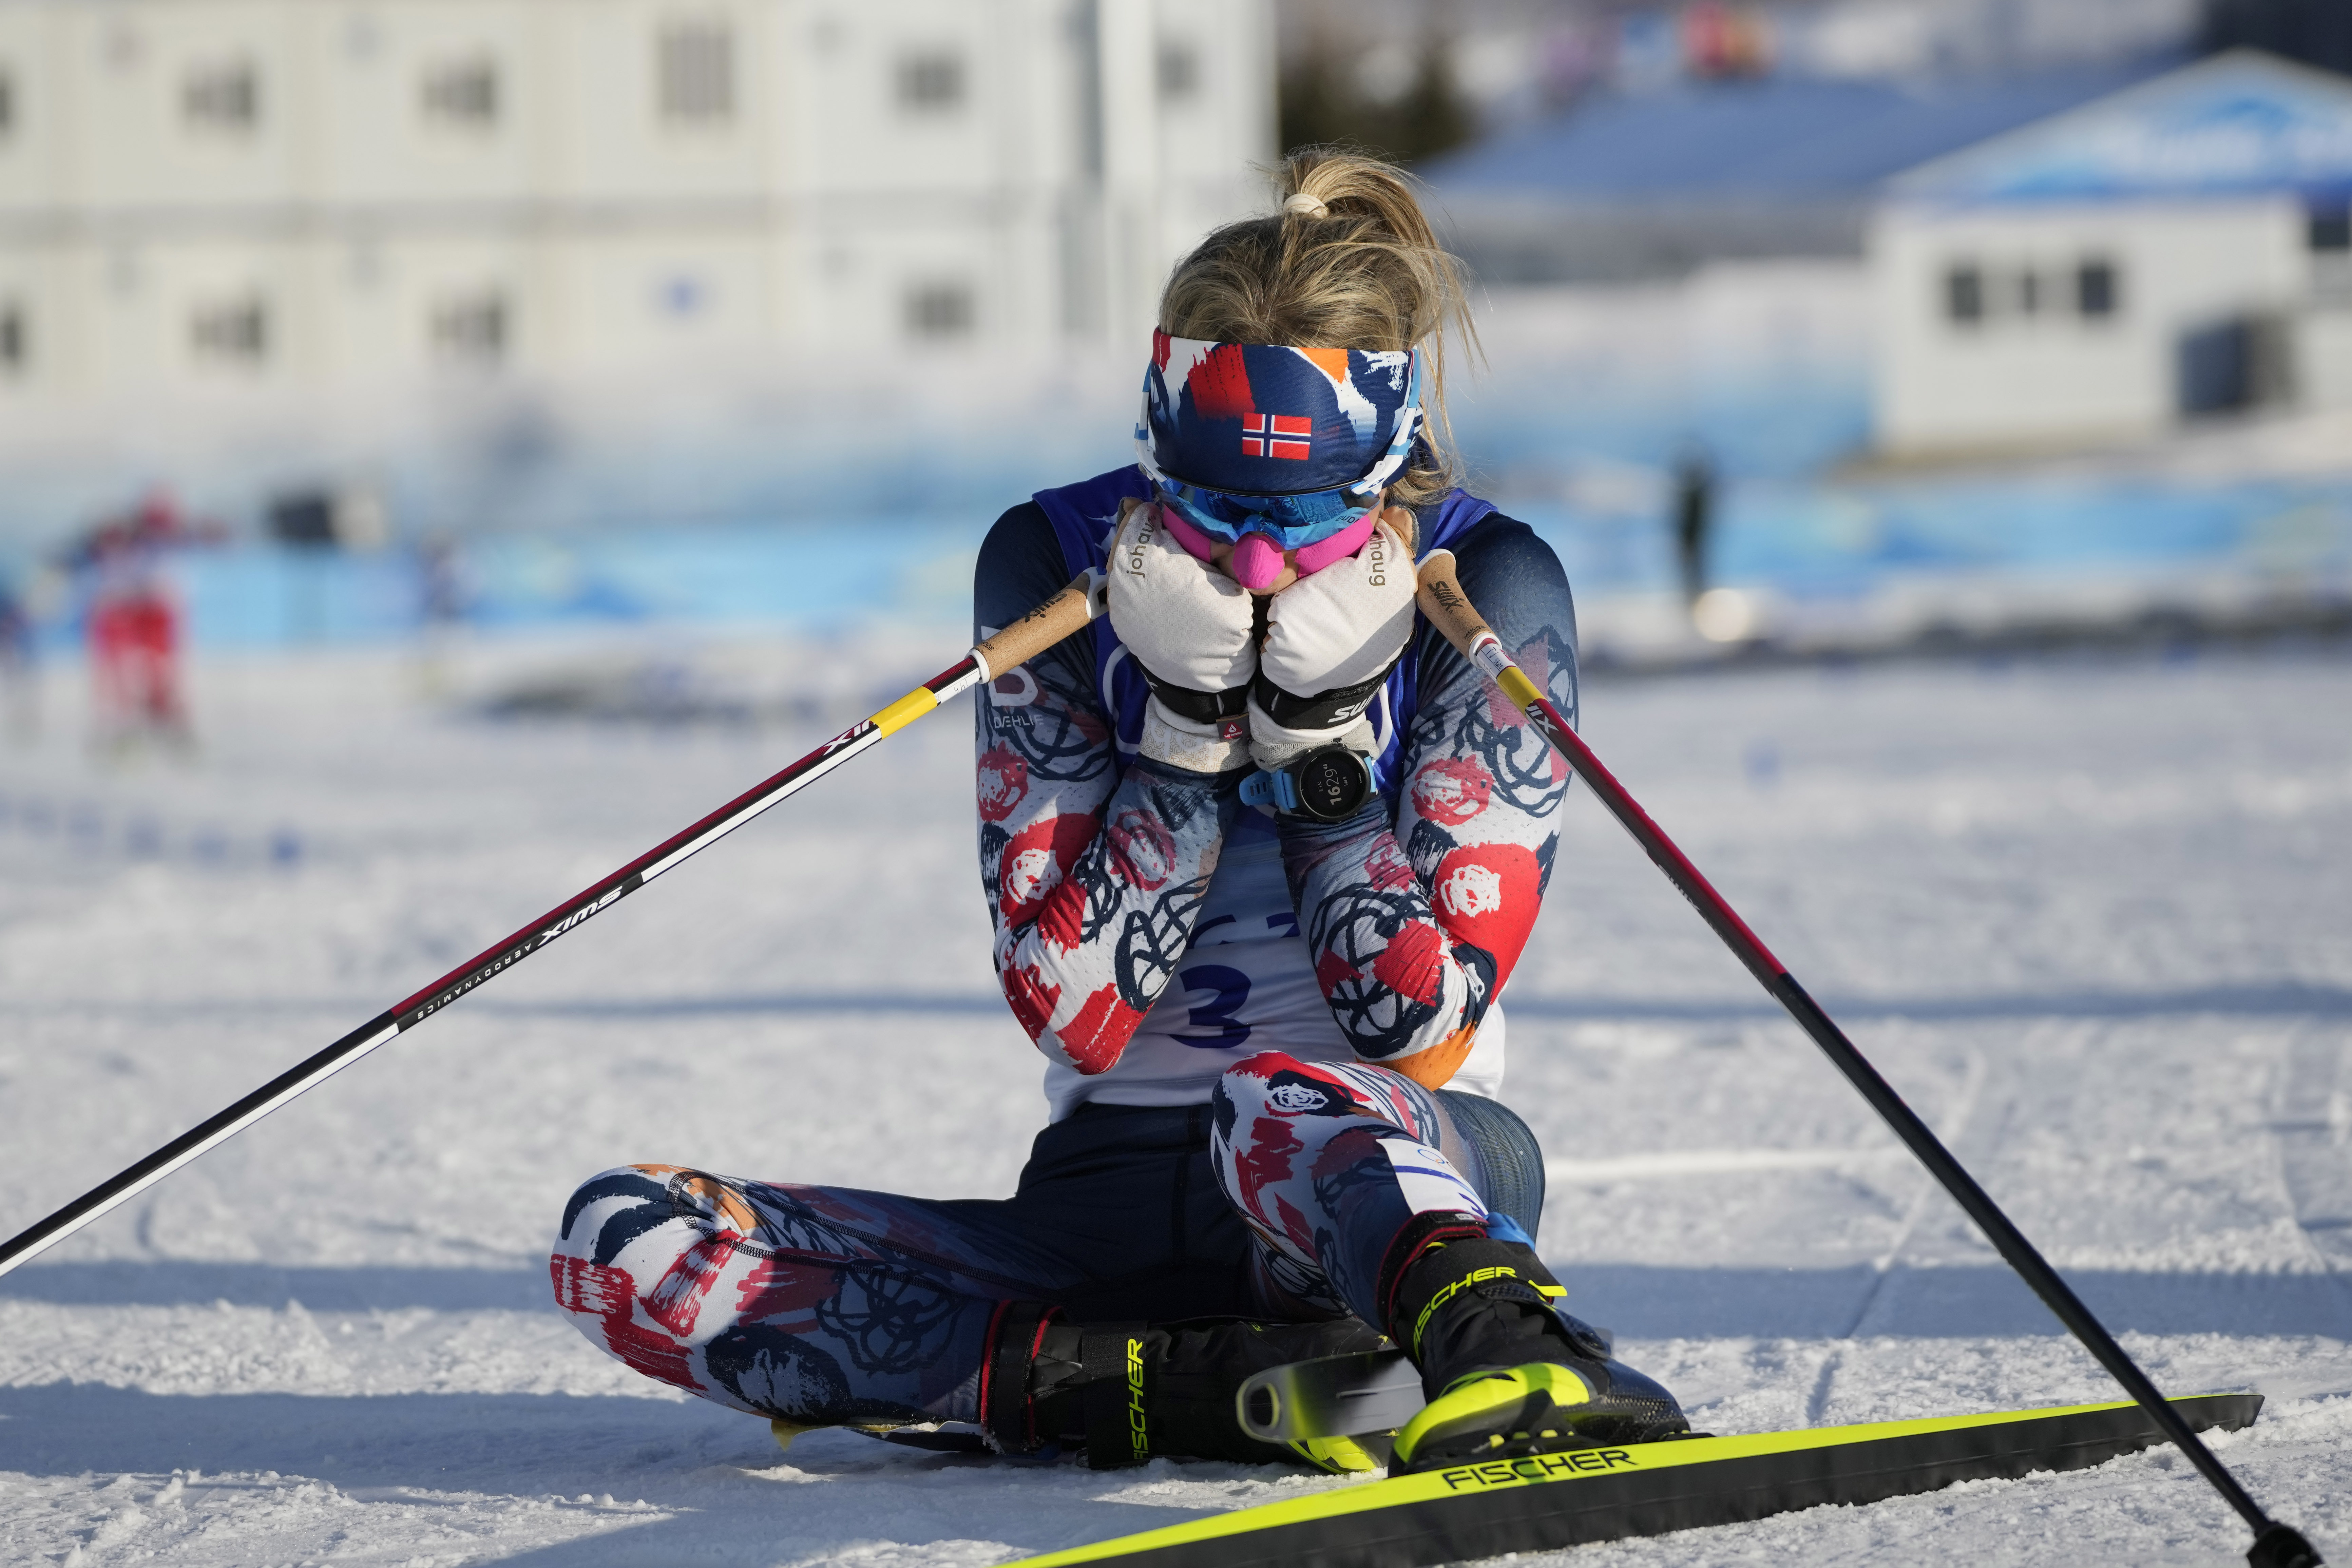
1230, 990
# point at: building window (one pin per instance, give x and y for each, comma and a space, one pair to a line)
2235, 365
1963, 295
470, 329
2028, 293
15, 344
939, 310
930, 81
1180, 70
2330, 238
462, 92
224, 95
2096, 295
231, 331
697, 73
7, 100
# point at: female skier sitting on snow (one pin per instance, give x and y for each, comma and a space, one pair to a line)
1261, 850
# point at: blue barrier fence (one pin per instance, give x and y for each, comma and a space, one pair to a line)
1805, 540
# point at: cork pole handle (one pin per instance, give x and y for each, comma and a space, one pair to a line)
1060, 616
1441, 601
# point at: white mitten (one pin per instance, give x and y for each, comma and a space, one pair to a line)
1331, 638
1189, 626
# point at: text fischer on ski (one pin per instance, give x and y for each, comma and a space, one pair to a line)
1261, 849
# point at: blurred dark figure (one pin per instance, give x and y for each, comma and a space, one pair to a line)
18, 692
135, 635
1322, 100
444, 588
1694, 517
305, 519
442, 582
2316, 32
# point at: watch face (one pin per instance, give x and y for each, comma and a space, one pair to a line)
1332, 784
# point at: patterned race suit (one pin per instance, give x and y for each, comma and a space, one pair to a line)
1243, 1019
1150, 931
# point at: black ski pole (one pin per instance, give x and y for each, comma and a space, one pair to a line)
1039, 629
1441, 601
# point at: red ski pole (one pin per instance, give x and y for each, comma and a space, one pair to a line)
1065, 613
1441, 601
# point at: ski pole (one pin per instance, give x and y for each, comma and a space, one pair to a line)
1065, 613
1441, 601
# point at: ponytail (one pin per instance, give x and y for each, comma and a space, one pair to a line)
1348, 260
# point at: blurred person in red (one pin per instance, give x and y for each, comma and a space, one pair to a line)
135, 627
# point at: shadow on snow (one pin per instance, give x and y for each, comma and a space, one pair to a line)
1639, 1300
696, 1462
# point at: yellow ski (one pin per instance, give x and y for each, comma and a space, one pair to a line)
1603, 1494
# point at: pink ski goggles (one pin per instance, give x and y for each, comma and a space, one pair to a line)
1200, 521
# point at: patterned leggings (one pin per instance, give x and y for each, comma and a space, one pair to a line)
826, 1305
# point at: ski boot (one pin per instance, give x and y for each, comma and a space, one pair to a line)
1507, 1372
1125, 1394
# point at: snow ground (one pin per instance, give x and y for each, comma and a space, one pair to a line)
2089, 915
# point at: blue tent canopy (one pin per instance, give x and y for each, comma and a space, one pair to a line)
2239, 123
1784, 138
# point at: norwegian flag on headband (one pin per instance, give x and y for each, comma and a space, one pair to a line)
1263, 419
1278, 436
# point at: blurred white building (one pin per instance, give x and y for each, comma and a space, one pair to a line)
2174, 250
301, 192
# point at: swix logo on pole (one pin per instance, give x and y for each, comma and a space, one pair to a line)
1278, 436
519, 950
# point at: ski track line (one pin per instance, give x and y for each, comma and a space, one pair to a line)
1972, 1082
1973, 1077
2312, 1134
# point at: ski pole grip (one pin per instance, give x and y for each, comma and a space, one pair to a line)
1069, 611
1441, 601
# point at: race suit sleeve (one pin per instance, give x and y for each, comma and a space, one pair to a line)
1415, 919
1094, 874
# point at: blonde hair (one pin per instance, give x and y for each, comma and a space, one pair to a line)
1349, 261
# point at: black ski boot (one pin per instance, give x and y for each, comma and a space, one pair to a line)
1507, 1372
1127, 1393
